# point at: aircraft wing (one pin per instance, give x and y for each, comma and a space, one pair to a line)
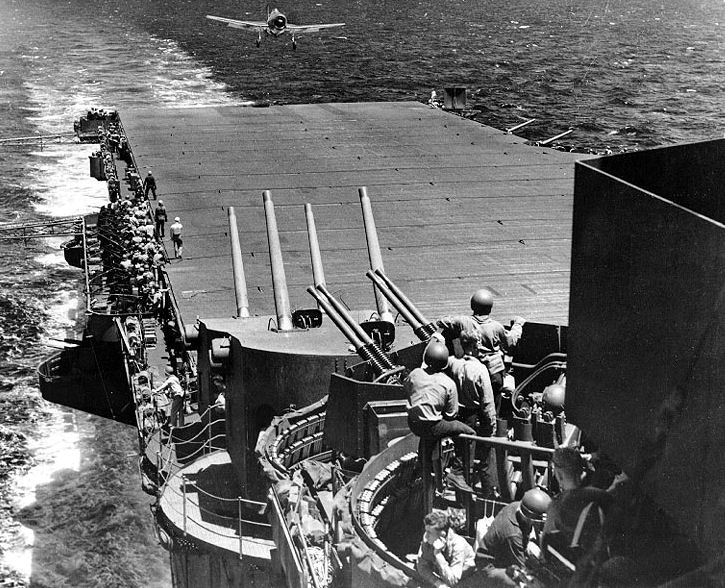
239, 24
312, 28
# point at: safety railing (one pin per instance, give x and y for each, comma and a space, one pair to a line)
217, 524
204, 438
96, 271
525, 453
200, 507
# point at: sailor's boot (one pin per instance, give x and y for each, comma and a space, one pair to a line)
455, 476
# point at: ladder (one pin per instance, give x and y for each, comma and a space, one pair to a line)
149, 332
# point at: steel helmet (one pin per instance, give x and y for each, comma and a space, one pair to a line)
169, 370
177, 219
534, 504
482, 301
150, 173
553, 398
436, 356
161, 202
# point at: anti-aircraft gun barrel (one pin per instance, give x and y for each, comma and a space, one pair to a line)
368, 349
279, 281
422, 327
240, 285
401, 308
318, 273
376, 258
335, 318
340, 309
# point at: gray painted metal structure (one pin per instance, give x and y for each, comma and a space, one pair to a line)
646, 343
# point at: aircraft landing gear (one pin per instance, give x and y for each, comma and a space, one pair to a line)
294, 44
259, 39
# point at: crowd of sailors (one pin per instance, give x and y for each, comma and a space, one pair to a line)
165, 405
448, 396
131, 235
132, 258
576, 531
130, 232
100, 114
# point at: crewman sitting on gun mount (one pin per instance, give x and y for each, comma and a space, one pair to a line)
444, 558
494, 338
433, 406
476, 405
149, 184
510, 537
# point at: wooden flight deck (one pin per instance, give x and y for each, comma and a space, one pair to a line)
457, 205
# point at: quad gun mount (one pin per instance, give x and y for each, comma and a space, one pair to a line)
364, 345
371, 339
422, 327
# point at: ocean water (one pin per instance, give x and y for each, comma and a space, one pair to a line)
622, 74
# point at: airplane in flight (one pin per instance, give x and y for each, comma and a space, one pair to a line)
275, 25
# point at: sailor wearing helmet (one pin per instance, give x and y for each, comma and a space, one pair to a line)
494, 339
511, 536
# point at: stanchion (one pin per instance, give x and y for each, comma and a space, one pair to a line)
209, 429
183, 506
239, 502
469, 450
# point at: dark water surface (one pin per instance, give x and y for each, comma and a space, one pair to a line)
624, 75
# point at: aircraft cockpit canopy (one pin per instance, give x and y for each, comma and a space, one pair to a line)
278, 22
